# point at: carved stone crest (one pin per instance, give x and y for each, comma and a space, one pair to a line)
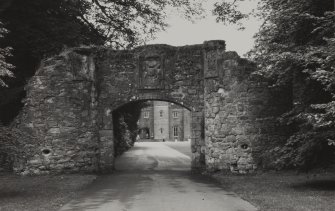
211, 64
151, 73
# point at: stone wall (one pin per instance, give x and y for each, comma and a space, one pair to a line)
60, 113
239, 112
71, 99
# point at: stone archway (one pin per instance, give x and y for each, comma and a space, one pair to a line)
157, 72
144, 133
69, 104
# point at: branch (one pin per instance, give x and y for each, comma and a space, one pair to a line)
81, 16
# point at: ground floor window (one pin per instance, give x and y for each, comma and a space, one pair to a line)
146, 114
175, 131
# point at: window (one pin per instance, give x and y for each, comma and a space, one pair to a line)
161, 130
175, 114
175, 131
146, 114
161, 113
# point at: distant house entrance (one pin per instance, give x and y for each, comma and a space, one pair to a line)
144, 133
164, 119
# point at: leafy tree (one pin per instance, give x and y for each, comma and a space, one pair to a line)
46, 25
296, 43
5, 67
41, 28
228, 12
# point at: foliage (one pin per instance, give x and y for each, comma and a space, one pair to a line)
5, 67
9, 147
228, 12
296, 43
306, 150
125, 121
46, 25
125, 22
42, 28
123, 138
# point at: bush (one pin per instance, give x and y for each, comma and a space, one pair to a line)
10, 148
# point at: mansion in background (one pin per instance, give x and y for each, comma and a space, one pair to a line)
164, 121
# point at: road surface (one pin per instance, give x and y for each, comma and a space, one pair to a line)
155, 177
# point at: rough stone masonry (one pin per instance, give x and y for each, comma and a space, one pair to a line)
70, 100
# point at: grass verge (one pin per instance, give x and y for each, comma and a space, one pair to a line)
40, 192
284, 191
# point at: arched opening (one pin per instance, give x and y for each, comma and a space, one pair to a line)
152, 130
144, 133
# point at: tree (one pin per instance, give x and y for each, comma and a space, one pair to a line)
5, 67
42, 28
228, 12
118, 23
295, 47
5, 51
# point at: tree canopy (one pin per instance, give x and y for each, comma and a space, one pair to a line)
36, 29
4, 54
295, 47
40, 28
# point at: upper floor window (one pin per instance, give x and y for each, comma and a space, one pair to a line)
161, 113
161, 130
175, 114
146, 114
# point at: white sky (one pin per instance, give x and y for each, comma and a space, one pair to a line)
183, 32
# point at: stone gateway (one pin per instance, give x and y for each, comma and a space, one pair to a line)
70, 100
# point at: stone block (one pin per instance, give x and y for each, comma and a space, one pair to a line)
231, 139
106, 133
192, 91
215, 109
54, 130
35, 162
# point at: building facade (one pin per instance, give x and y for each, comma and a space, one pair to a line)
164, 121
